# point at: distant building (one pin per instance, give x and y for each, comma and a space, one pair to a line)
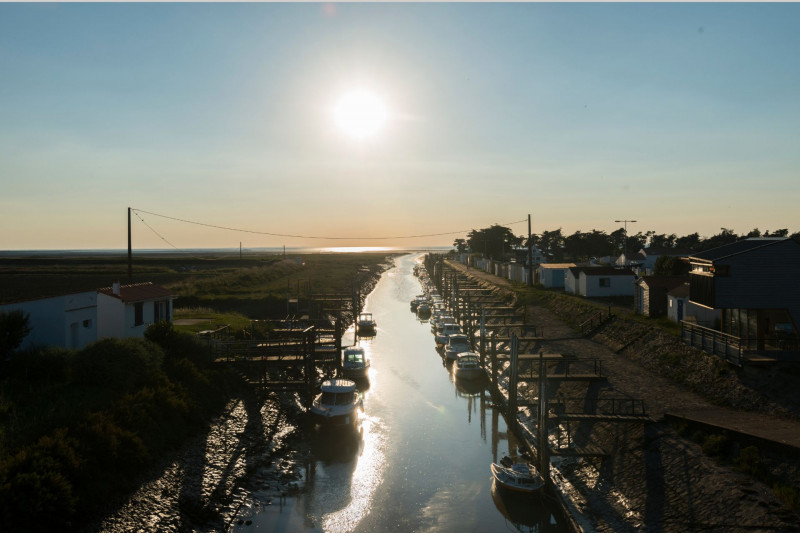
651, 294
679, 308
598, 282
126, 310
552, 275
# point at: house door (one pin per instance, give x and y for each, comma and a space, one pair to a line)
680, 310
73, 335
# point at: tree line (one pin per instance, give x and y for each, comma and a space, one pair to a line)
499, 242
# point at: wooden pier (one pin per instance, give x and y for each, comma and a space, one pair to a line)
511, 353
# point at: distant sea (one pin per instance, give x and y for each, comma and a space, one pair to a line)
223, 251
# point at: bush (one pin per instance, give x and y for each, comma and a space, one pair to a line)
715, 445
179, 345
36, 493
126, 364
46, 364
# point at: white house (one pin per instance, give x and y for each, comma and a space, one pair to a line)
126, 310
597, 282
553, 275
68, 321
679, 308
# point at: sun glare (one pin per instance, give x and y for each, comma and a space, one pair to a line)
360, 114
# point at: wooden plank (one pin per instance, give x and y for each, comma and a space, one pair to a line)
579, 417
568, 377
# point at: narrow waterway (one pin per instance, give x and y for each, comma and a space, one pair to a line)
420, 459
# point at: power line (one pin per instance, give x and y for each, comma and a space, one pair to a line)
166, 241
137, 211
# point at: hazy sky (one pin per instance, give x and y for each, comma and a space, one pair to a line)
685, 117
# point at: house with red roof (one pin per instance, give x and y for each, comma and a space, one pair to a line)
126, 310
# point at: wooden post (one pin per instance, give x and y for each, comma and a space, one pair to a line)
530, 253
494, 360
543, 445
511, 414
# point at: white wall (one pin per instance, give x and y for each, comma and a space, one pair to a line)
619, 286
117, 318
69, 321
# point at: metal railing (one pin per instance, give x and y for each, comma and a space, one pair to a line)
711, 341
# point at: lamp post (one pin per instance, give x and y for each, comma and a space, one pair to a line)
625, 242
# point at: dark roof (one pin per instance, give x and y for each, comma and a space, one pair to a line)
681, 291
137, 292
738, 247
661, 250
667, 282
602, 271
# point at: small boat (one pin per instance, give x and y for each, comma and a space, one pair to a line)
416, 301
355, 364
337, 404
366, 325
424, 310
456, 343
444, 331
517, 477
468, 366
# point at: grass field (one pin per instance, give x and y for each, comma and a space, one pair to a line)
255, 286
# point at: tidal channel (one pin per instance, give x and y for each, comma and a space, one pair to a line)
419, 460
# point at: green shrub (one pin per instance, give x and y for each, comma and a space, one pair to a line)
715, 445
788, 494
45, 364
126, 364
36, 493
748, 462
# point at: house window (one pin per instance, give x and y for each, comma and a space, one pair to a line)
605, 282
138, 314
87, 323
156, 312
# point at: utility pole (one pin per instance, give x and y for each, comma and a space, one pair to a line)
130, 252
530, 253
625, 242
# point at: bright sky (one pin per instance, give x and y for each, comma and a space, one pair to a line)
685, 117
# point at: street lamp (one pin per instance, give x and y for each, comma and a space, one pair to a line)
625, 242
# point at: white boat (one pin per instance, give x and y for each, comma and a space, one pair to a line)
518, 477
444, 331
366, 324
456, 344
468, 366
355, 364
338, 403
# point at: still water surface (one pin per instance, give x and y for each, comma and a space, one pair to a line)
420, 460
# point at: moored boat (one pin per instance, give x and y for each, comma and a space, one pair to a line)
355, 364
518, 477
456, 343
468, 367
366, 325
337, 404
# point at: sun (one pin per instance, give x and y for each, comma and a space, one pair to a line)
360, 113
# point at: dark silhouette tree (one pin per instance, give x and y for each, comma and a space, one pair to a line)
14, 327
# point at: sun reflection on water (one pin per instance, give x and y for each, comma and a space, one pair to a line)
365, 479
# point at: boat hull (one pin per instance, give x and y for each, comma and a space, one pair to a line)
470, 374
506, 482
327, 419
